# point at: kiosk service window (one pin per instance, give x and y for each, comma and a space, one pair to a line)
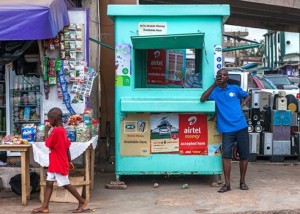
169, 61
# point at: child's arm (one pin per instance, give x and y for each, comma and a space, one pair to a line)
47, 128
69, 155
48, 140
71, 165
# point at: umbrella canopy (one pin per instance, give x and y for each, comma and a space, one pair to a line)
32, 19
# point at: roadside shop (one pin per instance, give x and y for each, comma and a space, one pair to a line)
44, 63
160, 51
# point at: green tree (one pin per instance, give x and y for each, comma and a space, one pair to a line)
254, 51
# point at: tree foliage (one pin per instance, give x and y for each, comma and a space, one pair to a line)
255, 51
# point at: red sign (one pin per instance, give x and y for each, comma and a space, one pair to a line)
193, 138
175, 67
156, 67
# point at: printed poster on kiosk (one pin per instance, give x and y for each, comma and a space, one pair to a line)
193, 139
135, 135
164, 133
122, 64
156, 67
214, 138
166, 67
176, 63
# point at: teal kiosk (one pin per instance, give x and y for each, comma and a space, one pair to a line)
166, 56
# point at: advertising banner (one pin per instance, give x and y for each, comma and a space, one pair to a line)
193, 139
214, 138
122, 64
156, 67
176, 63
164, 133
135, 135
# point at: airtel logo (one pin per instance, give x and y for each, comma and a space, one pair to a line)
192, 120
156, 54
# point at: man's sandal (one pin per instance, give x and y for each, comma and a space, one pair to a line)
224, 188
243, 186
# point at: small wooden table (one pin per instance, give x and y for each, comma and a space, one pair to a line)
41, 156
87, 183
25, 167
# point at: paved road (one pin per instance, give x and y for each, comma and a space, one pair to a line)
274, 188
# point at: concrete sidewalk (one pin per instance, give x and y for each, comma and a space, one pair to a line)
274, 188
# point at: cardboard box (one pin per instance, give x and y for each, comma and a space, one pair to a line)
60, 194
12, 160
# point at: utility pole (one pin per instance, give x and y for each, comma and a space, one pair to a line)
235, 55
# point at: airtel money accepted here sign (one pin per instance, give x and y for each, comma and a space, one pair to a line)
193, 138
156, 67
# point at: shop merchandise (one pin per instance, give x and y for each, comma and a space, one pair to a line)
13, 139
66, 81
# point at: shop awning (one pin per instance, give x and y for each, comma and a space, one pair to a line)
32, 19
175, 41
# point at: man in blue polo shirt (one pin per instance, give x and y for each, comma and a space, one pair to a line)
231, 122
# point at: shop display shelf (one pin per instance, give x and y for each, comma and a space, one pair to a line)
26, 90
27, 121
27, 105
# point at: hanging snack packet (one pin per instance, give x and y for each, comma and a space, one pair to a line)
45, 68
52, 81
57, 65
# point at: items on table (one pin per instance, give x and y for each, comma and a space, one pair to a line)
28, 132
82, 133
71, 133
13, 139
80, 128
40, 133
95, 127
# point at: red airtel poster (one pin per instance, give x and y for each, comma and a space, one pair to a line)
156, 67
193, 138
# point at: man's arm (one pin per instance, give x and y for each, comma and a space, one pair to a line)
245, 101
206, 93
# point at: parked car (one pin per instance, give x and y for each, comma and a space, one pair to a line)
263, 83
295, 80
247, 82
281, 81
238, 76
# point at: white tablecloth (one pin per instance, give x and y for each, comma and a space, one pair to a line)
41, 152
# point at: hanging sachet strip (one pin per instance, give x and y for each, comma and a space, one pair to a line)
64, 88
